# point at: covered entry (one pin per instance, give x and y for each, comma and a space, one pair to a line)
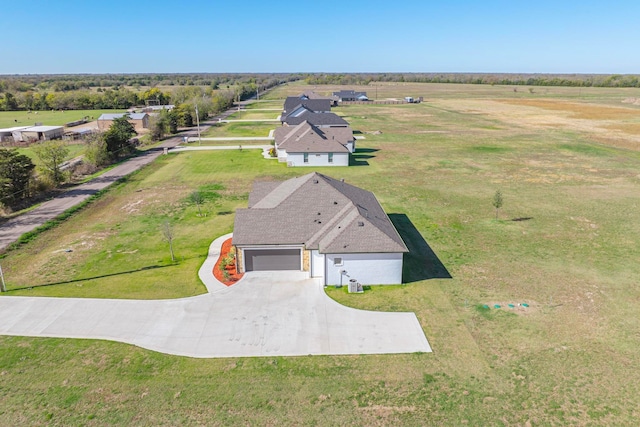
272, 259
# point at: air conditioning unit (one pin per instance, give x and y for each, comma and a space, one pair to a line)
290, 164
355, 287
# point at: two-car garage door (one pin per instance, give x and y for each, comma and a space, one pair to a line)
272, 259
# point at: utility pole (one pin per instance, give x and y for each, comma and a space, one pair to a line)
3, 287
198, 124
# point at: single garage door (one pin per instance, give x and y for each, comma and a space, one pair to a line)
271, 259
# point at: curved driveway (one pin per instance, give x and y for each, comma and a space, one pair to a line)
265, 314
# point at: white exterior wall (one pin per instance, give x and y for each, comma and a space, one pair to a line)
318, 159
368, 269
317, 264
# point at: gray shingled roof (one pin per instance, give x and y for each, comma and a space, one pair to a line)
316, 119
318, 212
293, 102
308, 138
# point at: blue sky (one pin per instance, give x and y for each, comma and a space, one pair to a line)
562, 36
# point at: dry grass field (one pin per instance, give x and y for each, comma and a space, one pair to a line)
565, 244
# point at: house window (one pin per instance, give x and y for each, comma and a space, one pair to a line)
337, 262
330, 157
306, 157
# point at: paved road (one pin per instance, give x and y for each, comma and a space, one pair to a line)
265, 314
11, 230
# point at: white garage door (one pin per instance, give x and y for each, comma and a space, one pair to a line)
272, 259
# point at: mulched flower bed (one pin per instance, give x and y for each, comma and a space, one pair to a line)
234, 276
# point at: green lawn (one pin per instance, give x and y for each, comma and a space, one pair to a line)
565, 244
255, 115
240, 129
49, 118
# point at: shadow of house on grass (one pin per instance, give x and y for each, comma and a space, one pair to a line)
420, 263
360, 156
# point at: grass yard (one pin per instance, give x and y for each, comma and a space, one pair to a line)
255, 115
261, 129
565, 244
48, 118
75, 149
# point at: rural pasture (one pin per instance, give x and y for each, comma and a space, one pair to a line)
567, 162
48, 118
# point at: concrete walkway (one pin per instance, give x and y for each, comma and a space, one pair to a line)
264, 314
234, 138
265, 149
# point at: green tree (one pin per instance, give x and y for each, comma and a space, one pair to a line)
52, 155
96, 150
159, 125
497, 201
118, 136
16, 172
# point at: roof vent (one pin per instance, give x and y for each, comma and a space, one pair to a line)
318, 213
360, 224
315, 181
341, 179
335, 203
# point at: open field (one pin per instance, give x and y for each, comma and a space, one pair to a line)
48, 118
565, 243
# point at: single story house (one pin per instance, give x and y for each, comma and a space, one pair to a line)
321, 120
38, 133
332, 230
308, 145
351, 95
309, 94
140, 121
294, 104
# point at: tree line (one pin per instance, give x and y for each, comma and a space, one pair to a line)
576, 80
123, 98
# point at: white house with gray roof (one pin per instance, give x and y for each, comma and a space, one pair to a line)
326, 227
308, 145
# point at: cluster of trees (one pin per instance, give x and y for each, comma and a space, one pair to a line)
71, 82
578, 80
87, 92
79, 100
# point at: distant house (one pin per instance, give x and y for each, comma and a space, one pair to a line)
321, 120
38, 133
309, 94
350, 95
308, 145
140, 121
314, 223
157, 108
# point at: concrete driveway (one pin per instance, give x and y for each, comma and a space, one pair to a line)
265, 314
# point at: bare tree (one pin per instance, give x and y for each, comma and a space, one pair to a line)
497, 201
197, 199
167, 233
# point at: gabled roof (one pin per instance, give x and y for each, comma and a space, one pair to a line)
318, 212
113, 116
308, 138
316, 119
315, 105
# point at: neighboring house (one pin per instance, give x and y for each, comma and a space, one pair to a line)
308, 145
350, 95
326, 227
140, 121
309, 94
294, 104
157, 108
38, 133
321, 120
